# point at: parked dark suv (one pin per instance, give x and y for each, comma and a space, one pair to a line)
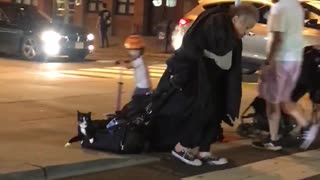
26, 31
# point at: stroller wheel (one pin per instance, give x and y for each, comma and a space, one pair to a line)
244, 130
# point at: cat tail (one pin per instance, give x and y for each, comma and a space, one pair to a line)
72, 140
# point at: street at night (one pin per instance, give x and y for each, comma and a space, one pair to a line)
39, 101
97, 89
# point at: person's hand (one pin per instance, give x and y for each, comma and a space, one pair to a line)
266, 68
124, 63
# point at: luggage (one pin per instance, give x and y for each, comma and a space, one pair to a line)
125, 138
125, 132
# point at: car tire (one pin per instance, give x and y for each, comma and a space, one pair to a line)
77, 56
30, 49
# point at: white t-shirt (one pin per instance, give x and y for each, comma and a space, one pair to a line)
141, 74
287, 17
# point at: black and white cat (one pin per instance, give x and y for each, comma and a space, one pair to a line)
86, 128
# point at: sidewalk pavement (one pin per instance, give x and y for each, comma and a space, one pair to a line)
39, 116
154, 48
32, 144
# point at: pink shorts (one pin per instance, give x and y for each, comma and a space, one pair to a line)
277, 83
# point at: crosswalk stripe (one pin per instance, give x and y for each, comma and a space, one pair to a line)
94, 74
116, 70
155, 71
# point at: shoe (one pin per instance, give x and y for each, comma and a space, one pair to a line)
268, 145
309, 136
186, 157
214, 160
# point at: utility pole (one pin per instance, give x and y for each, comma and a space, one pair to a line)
66, 12
84, 6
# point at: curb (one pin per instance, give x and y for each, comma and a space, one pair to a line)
77, 169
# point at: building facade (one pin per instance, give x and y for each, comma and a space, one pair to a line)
128, 16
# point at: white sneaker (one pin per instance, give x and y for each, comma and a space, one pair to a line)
310, 136
186, 157
214, 160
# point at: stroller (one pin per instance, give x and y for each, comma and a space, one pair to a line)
258, 126
309, 82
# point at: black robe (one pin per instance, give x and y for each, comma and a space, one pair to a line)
198, 100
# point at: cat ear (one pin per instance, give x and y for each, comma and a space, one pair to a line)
89, 113
78, 111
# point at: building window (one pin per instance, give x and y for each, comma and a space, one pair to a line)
29, 2
62, 9
171, 3
95, 5
125, 7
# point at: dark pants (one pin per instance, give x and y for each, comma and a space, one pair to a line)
141, 91
204, 128
104, 37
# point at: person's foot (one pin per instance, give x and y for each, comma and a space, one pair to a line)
309, 136
186, 157
268, 145
210, 159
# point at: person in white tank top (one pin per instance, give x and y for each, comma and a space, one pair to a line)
283, 65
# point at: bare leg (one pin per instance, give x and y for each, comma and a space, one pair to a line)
273, 115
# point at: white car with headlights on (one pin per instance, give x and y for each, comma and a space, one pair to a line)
254, 44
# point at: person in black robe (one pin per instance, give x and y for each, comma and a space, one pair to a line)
201, 85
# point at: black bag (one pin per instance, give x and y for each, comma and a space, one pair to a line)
137, 107
124, 139
125, 132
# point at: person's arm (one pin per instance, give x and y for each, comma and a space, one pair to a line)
276, 26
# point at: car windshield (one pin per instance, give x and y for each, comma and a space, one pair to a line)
37, 15
26, 15
42, 16
312, 11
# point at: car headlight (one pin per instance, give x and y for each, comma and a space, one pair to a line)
51, 44
90, 37
50, 36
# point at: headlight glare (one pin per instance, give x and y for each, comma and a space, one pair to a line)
90, 37
50, 36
